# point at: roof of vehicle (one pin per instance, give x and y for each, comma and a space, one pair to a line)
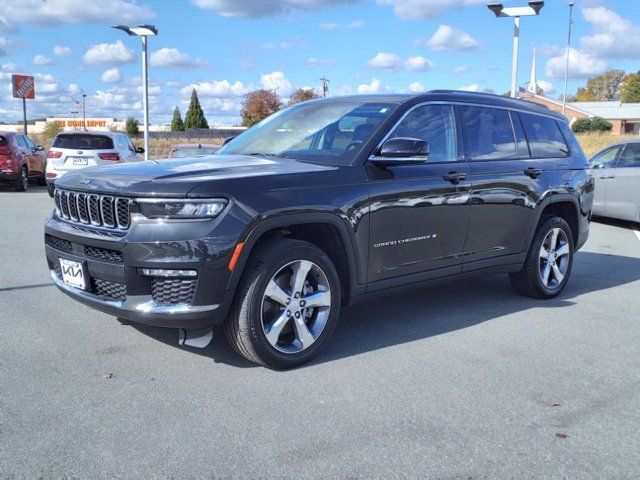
91, 132
488, 99
7, 132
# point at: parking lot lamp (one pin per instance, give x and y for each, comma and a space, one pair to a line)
516, 12
566, 69
142, 31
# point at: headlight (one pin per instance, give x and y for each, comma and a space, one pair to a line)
168, 208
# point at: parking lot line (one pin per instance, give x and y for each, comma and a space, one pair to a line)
637, 232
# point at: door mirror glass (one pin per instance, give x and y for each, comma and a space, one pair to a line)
40, 148
139, 150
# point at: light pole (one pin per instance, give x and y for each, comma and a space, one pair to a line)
566, 69
516, 12
142, 31
84, 113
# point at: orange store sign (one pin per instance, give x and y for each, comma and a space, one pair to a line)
79, 123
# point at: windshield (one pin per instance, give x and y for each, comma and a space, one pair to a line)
327, 132
183, 152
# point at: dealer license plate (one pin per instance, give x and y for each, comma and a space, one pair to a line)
73, 273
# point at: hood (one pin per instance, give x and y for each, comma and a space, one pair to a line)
178, 177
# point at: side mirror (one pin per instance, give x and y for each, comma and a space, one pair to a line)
39, 148
227, 140
402, 151
139, 150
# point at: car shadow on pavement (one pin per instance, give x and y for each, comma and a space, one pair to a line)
427, 311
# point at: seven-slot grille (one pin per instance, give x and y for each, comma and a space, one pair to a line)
93, 209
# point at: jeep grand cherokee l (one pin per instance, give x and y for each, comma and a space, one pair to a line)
322, 204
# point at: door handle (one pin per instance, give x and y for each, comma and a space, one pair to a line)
454, 177
532, 172
604, 178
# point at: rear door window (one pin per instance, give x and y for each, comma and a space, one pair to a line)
21, 142
83, 142
544, 135
489, 133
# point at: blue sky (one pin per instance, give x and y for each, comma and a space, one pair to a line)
228, 47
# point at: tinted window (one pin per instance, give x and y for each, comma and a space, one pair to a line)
435, 124
83, 142
630, 157
21, 141
489, 132
605, 159
545, 138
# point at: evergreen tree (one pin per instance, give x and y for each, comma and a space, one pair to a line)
177, 125
132, 126
195, 116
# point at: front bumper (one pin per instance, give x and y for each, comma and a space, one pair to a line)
117, 286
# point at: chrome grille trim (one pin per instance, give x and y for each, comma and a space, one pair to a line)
105, 211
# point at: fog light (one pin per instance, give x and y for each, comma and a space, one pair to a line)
162, 272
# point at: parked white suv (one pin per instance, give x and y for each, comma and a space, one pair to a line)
75, 150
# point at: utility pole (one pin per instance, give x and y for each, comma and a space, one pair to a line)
84, 113
24, 114
566, 69
325, 86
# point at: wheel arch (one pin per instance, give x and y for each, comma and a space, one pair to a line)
563, 205
341, 247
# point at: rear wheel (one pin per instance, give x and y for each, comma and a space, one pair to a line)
547, 267
286, 306
22, 182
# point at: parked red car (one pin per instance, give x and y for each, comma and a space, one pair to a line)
20, 161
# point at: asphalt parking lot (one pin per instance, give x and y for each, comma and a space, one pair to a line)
464, 380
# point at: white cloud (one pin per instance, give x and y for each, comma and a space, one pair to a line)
109, 53
547, 87
314, 62
416, 87
111, 76
216, 89
264, 8
418, 64
42, 60
615, 37
581, 65
55, 12
387, 61
174, 58
62, 51
459, 70
374, 87
74, 89
278, 82
470, 88
8, 67
356, 24
3, 43
425, 9
447, 37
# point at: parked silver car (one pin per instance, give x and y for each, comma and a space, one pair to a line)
617, 181
81, 149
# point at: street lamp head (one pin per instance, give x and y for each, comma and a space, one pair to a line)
496, 8
139, 31
536, 5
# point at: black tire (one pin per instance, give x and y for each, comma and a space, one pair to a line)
42, 181
22, 181
528, 281
244, 328
51, 189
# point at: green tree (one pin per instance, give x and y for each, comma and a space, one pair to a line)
302, 95
595, 124
631, 88
195, 116
177, 125
51, 129
258, 105
602, 88
132, 126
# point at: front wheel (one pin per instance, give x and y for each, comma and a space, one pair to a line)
287, 304
549, 261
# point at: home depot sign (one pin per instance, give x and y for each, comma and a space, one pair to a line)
23, 86
91, 122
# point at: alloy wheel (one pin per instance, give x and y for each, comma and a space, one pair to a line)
295, 306
24, 178
554, 258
